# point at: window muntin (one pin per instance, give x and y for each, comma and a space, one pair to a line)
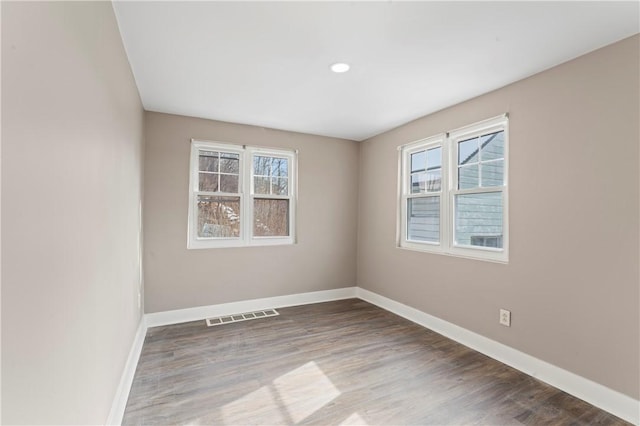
481, 161
457, 203
270, 175
240, 196
426, 170
218, 171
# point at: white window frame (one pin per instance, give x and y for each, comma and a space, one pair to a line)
449, 189
246, 194
405, 184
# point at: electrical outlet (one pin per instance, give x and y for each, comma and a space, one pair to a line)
505, 317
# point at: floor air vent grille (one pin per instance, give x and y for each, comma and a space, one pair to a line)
228, 319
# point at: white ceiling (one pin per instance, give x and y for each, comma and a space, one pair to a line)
267, 63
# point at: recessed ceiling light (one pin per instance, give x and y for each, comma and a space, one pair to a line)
340, 67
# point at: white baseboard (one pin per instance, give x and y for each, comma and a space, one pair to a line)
200, 313
601, 396
607, 399
126, 380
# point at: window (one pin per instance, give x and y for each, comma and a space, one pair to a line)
453, 196
240, 196
424, 197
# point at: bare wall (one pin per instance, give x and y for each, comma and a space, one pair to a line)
572, 282
324, 257
72, 141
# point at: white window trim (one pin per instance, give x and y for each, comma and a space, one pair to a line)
449, 145
246, 194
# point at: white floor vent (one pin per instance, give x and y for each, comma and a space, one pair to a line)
228, 319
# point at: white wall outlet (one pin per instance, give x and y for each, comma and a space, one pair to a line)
505, 317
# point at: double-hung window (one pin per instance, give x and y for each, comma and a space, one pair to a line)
240, 196
422, 199
454, 193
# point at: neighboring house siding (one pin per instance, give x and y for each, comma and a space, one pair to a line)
474, 208
424, 219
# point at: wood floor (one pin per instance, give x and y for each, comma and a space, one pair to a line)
344, 362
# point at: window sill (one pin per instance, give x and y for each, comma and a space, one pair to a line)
493, 257
199, 245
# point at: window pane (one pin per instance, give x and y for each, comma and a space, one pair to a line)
434, 158
261, 165
418, 161
478, 219
229, 163
208, 161
492, 146
493, 173
418, 183
208, 182
270, 218
468, 151
261, 185
280, 186
423, 219
229, 183
279, 167
468, 177
218, 217
434, 181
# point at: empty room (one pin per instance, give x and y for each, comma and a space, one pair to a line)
331, 213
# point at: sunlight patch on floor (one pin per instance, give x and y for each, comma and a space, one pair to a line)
263, 409
305, 390
354, 419
290, 398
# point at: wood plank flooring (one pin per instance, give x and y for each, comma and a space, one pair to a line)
343, 362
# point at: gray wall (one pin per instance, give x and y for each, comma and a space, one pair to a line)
572, 282
72, 136
324, 257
